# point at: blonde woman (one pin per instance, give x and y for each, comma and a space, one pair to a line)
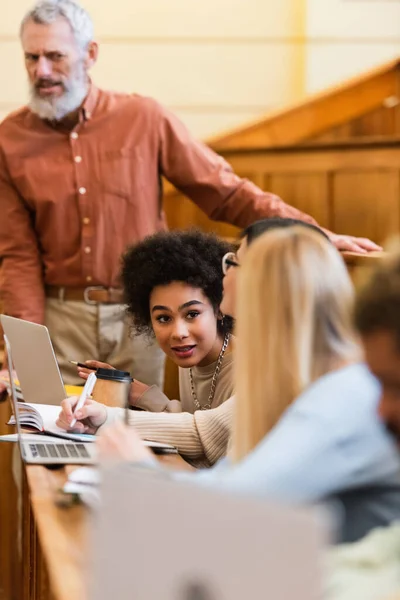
294, 324
306, 426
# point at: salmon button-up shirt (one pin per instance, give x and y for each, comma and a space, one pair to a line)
73, 200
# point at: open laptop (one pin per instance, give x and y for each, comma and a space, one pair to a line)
34, 361
68, 452
204, 544
46, 452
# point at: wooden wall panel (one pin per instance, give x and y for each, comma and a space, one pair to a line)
367, 203
349, 189
171, 380
307, 191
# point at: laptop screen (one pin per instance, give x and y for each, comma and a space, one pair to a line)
34, 358
235, 547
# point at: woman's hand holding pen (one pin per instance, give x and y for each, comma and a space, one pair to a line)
88, 419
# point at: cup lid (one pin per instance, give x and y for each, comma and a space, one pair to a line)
114, 375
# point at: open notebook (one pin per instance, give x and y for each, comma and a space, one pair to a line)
38, 416
42, 419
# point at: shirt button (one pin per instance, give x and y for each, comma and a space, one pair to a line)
88, 249
74, 135
86, 220
89, 278
82, 190
78, 159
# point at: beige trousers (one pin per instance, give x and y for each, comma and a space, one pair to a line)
80, 332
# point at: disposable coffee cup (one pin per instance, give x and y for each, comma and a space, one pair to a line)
112, 387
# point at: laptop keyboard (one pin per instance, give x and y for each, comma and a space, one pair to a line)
59, 450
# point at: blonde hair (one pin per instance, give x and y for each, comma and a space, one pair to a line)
293, 326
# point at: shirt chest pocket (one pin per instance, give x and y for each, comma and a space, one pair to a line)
121, 173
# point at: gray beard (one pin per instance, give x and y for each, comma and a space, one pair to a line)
55, 109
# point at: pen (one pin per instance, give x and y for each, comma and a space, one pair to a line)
87, 390
79, 364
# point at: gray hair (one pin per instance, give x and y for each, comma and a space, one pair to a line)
46, 12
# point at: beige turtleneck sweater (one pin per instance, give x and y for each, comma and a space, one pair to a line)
201, 438
154, 400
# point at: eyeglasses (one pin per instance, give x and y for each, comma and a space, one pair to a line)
228, 261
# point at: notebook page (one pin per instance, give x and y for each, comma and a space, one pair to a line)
49, 414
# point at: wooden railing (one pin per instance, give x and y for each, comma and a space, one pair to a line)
341, 104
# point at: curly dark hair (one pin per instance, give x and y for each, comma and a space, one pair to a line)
192, 257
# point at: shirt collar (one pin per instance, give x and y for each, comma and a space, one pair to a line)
90, 102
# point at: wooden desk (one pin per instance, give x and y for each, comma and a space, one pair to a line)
10, 573
54, 538
48, 562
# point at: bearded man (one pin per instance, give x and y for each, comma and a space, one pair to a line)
80, 173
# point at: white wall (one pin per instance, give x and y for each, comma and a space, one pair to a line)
220, 63
347, 37
217, 63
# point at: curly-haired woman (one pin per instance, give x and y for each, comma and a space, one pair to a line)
173, 288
